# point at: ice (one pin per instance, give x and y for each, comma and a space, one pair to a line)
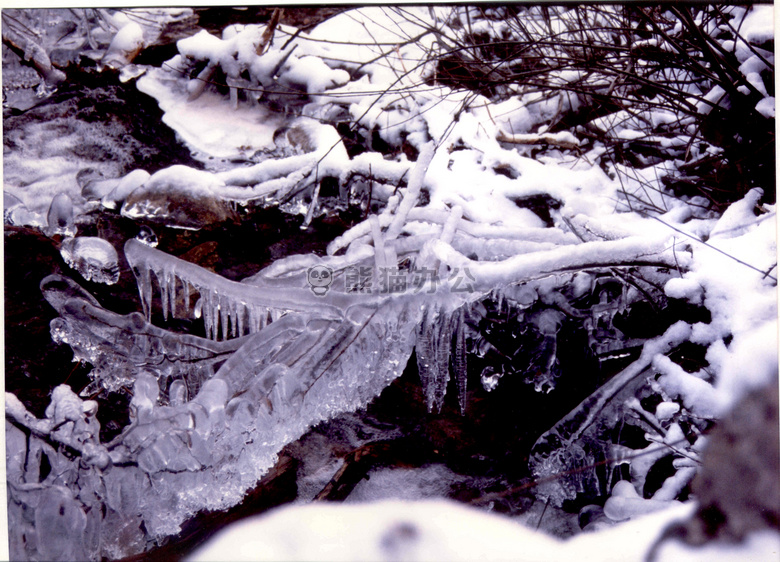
633, 249
60, 525
217, 294
561, 453
119, 346
178, 196
432, 481
301, 367
433, 346
208, 417
459, 362
94, 258
275, 384
416, 178
147, 236
16, 213
209, 125
60, 217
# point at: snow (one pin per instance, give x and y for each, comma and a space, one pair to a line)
127, 42
739, 216
766, 107
758, 25
698, 395
625, 503
314, 75
666, 410
114, 198
444, 530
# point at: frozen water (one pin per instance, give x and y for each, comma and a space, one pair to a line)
178, 196
118, 347
433, 355
94, 258
432, 481
222, 302
562, 455
60, 217
275, 384
147, 236
123, 187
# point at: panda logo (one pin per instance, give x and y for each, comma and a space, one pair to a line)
319, 278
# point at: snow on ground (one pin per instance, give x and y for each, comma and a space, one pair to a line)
445, 530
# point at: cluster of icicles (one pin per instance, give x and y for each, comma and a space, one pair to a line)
229, 309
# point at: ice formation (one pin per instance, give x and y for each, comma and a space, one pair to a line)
189, 435
455, 231
286, 358
94, 258
60, 217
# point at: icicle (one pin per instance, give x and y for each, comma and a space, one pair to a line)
198, 311
214, 314
233, 97
205, 312
207, 298
425, 357
459, 364
254, 319
312, 206
234, 318
195, 87
499, 300
442, 335
172, 293
240, 313
224, 314
186, 295
144, 278
433, 347
163, 281
264, 317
